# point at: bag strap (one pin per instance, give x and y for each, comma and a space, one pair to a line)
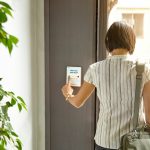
139, 69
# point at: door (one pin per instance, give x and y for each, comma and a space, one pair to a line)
71, 39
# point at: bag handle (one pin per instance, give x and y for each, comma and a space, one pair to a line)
139, 69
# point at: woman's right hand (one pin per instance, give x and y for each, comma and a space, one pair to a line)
67, 90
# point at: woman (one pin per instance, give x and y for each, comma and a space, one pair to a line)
115, 79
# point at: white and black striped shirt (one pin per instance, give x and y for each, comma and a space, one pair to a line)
115, 80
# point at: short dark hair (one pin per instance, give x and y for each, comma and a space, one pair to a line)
120, 35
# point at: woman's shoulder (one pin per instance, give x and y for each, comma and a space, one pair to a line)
97, 64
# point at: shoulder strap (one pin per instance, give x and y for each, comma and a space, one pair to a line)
139, 69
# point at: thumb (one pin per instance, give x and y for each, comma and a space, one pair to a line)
69, 84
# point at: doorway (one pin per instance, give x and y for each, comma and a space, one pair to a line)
137, 14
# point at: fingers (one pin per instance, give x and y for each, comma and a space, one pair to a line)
68, 85
65, 93
67, 90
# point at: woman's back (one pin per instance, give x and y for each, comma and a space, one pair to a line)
115, 80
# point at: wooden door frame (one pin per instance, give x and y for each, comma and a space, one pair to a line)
102, 16
47, 73
102, 20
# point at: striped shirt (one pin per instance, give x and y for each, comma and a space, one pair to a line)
115, 80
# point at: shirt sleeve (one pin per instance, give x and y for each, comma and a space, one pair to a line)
89, 75
146, 75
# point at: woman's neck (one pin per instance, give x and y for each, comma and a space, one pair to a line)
119, 51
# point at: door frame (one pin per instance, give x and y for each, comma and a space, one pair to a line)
47, 73
102, 20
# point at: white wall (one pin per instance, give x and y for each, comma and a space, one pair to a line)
23, 71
